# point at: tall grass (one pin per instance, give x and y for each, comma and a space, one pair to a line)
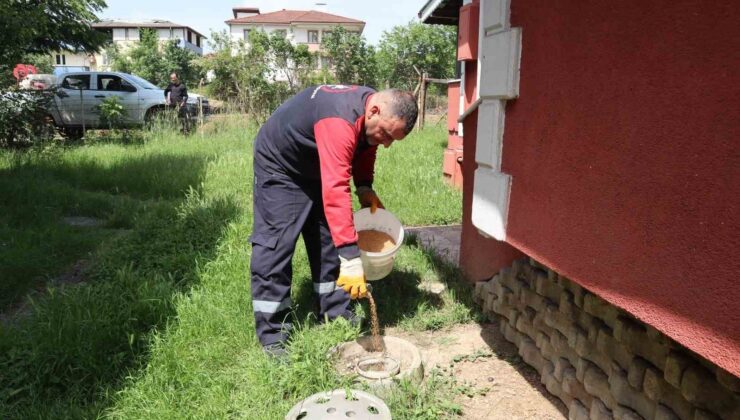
161, 327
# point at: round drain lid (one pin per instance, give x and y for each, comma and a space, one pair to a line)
334, 405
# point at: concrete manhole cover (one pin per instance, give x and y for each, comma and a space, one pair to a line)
334, 405
400, 360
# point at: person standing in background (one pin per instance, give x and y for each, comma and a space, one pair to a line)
176, 96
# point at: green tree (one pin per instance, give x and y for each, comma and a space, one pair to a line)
179, 60
144, 58
431, 48
119, 62
294, 63
353, 59
40, 27
154, 62
243, 74
260, 74
42, 62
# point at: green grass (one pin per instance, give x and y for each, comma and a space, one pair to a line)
162, 326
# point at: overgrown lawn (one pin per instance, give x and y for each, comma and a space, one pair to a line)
161, 325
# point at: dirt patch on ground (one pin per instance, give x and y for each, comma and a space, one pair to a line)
492, 380
82, 221
75, 274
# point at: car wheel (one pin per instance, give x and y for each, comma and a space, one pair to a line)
155, 117
72, 133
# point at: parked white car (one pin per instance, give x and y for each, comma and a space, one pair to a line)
79, 95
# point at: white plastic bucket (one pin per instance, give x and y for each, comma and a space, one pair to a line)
379, 264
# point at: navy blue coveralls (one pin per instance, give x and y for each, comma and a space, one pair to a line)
304, 157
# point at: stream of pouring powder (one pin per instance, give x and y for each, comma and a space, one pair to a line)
375, 241
374, 325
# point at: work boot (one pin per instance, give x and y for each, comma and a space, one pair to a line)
276, 351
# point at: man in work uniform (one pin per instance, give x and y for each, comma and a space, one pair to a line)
176, 96
304, 157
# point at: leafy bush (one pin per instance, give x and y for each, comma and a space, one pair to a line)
259, 76
24, 117
112, 112
429, 48
146, 59
353, 59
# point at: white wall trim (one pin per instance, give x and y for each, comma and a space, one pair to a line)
499, 58
491, 118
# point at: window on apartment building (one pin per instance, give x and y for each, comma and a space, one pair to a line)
132, 34
246, 34
325, 34
190, 37
61, 60
197, 41
313, 37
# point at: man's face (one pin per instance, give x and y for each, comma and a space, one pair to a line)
173, 78
383, 129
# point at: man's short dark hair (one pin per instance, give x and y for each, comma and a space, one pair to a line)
175, 73
403, 106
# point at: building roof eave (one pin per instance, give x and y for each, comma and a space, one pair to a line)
440, 12
123, 25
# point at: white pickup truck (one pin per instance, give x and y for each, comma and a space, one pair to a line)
79, 95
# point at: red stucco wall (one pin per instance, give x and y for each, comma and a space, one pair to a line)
480, 257
624, 150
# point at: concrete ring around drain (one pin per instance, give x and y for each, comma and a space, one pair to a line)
388, 367
347, 355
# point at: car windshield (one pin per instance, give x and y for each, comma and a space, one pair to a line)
143, 83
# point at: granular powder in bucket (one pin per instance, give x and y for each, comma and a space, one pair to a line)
375, 241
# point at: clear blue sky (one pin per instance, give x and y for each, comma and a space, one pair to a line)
207, 15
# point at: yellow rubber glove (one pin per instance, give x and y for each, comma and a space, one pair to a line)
368, 198
352, 277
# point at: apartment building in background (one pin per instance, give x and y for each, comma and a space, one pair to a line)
124, 35
299, 26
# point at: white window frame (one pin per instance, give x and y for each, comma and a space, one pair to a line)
308, 36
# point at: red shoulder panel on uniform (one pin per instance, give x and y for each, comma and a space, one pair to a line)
336, 140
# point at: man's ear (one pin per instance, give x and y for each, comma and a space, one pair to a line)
374, 110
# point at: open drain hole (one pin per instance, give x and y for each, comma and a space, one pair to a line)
373, 410
378, 367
